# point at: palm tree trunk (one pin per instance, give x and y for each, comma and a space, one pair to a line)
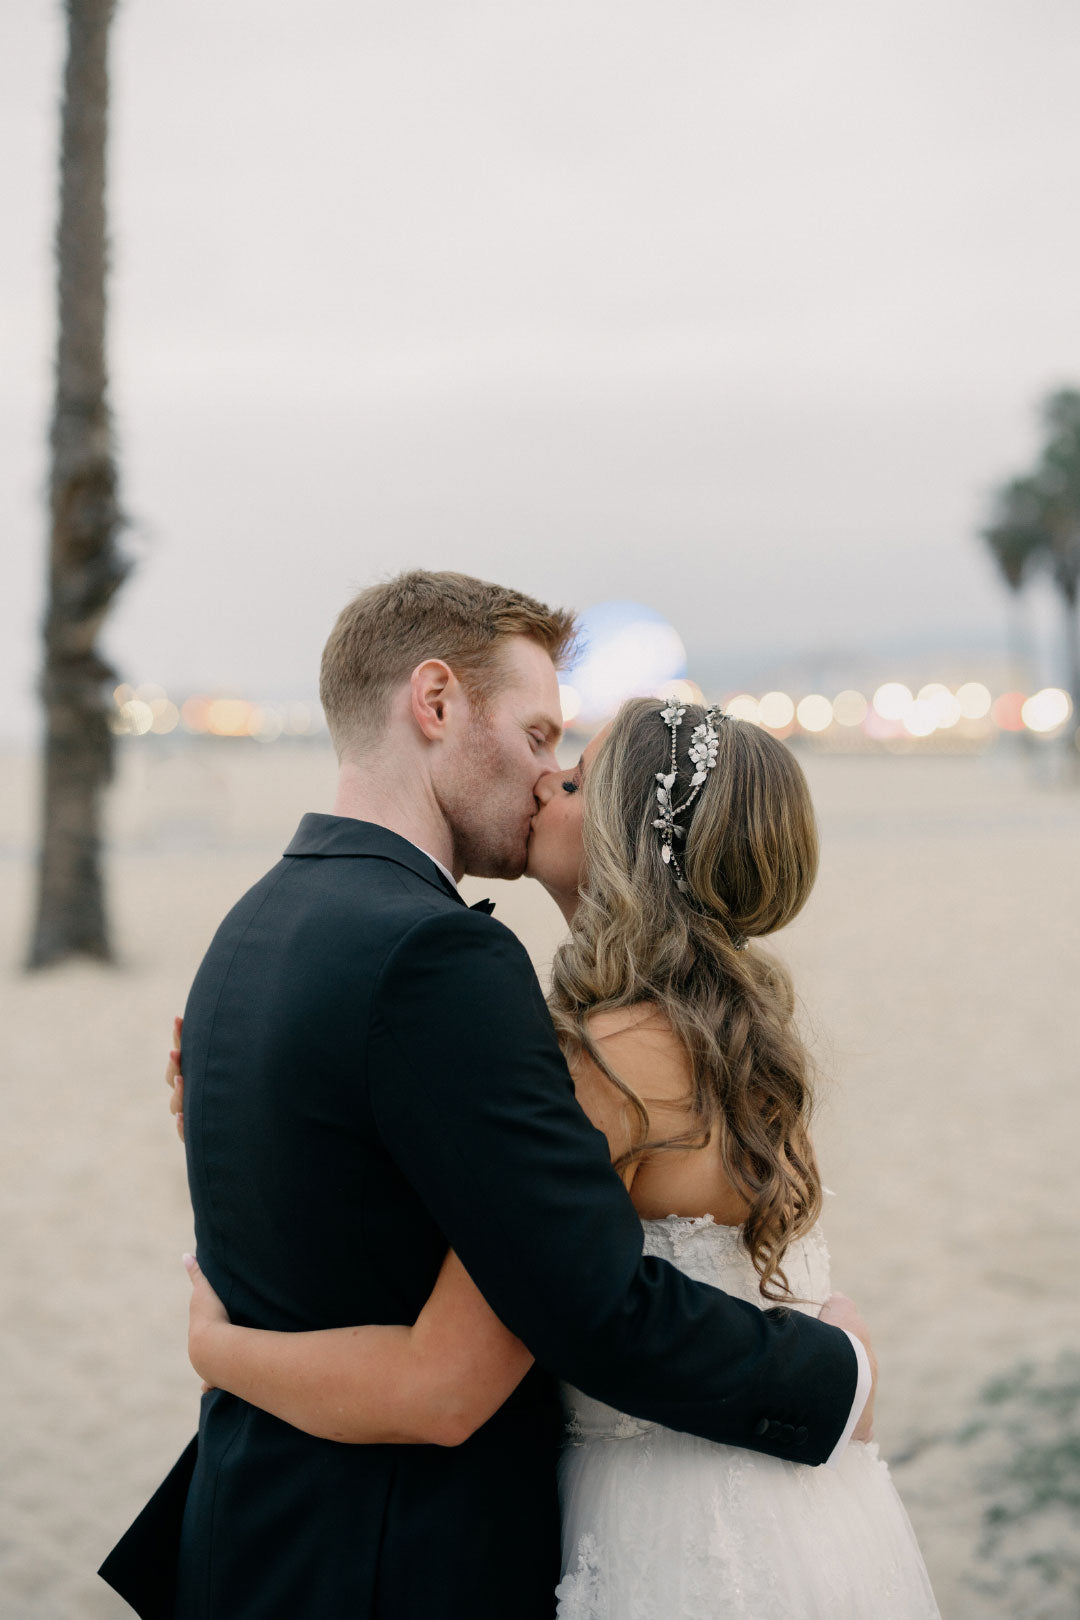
1072, 645
85, 566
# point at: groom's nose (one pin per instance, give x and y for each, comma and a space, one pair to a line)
547, 758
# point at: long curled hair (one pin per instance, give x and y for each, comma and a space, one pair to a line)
749, 861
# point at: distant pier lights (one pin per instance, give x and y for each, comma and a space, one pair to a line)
626, 650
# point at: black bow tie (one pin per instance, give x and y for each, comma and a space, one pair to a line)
486, 906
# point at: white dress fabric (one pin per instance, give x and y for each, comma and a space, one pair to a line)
658, 1525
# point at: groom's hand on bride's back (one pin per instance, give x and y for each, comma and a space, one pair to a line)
842, 1312
174, 1079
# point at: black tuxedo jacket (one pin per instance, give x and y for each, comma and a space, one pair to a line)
371, 1075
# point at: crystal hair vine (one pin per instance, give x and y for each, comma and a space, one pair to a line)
703, 745
704, 742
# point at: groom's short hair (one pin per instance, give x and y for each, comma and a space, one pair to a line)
390, 628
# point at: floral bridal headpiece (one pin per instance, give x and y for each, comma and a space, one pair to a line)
704, 742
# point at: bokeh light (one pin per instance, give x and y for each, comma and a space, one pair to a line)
919, 718
943, 705
777, 711
166, 717
849, 708
815, 712
135, 718
744, 707
195, 715
1047, 710
682, 691
228, 717
1007, 711
265, 723
299, 719
570, 703
627, 650
879, 728
974, 700
893, 700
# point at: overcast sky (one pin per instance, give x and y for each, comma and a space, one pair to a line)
737, 309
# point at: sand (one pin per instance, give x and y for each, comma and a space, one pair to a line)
937, 965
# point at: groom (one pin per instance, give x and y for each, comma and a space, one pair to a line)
371, 1076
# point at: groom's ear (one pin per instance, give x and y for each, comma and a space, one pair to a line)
432, 687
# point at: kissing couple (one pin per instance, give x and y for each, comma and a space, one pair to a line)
510, 1307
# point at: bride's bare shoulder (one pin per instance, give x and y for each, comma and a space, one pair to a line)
640, 1044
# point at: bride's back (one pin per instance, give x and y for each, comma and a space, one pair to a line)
640, 1046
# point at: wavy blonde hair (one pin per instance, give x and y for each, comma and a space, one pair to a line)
750, 860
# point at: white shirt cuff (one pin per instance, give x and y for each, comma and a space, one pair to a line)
862, 1395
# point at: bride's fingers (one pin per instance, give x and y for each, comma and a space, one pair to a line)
176, 1105
177, 1031
174, 1050
206, 1307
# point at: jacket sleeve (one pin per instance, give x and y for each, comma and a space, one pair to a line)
476, 1106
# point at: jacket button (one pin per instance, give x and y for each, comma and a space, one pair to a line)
762, 1427
800, 1437
774, 1429
787, 1433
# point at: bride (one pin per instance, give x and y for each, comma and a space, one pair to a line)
681, 837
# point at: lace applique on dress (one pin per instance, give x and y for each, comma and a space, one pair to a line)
592, 1420
581, 1593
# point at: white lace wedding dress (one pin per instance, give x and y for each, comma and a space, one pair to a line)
659, 1525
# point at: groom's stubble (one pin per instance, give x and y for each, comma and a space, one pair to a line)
487, 804
486, 788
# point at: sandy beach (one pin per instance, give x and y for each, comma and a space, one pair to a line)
937, 964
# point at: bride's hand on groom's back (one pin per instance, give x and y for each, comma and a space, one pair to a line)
206, 1316
842, 1312
175, 1080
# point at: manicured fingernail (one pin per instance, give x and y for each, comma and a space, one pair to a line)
189, 1261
